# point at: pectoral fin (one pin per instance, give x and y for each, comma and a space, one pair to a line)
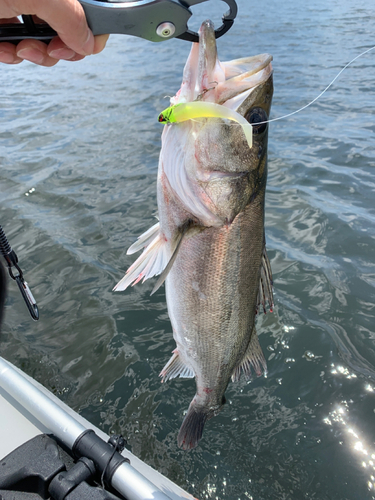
145, 239
176, 368
158, 256
151, 262
189, 227
253, 359
168, 267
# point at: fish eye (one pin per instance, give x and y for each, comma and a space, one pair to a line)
161, 118
257, 115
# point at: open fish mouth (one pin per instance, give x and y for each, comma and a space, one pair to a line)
228, 83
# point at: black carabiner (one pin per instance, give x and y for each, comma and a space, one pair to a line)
12, 261
227, 20
28, 297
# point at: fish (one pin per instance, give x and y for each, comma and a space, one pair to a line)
209, 242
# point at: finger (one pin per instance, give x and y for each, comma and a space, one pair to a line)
57, 49
69, 21
100, 43
35, 52
77, 57
8, 50
8, 54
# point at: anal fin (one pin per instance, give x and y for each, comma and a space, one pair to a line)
253, 359
176, 368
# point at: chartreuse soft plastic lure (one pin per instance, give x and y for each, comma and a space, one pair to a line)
197, 109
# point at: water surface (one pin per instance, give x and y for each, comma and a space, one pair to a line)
79, 154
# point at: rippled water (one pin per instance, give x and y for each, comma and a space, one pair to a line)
79, 153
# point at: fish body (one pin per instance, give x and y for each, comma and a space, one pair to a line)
209, 244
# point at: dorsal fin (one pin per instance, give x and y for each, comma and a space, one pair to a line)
265, 285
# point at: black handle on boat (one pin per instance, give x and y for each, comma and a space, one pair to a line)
125, 479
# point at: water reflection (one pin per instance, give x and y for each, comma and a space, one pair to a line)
349, 434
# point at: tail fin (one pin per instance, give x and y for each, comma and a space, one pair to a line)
192, 428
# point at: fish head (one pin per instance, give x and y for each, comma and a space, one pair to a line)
207, 160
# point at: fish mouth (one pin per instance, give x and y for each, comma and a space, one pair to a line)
228, 83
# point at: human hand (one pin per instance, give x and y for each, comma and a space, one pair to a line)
74, 41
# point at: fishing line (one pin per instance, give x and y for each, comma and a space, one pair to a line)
320, 95
314, 100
